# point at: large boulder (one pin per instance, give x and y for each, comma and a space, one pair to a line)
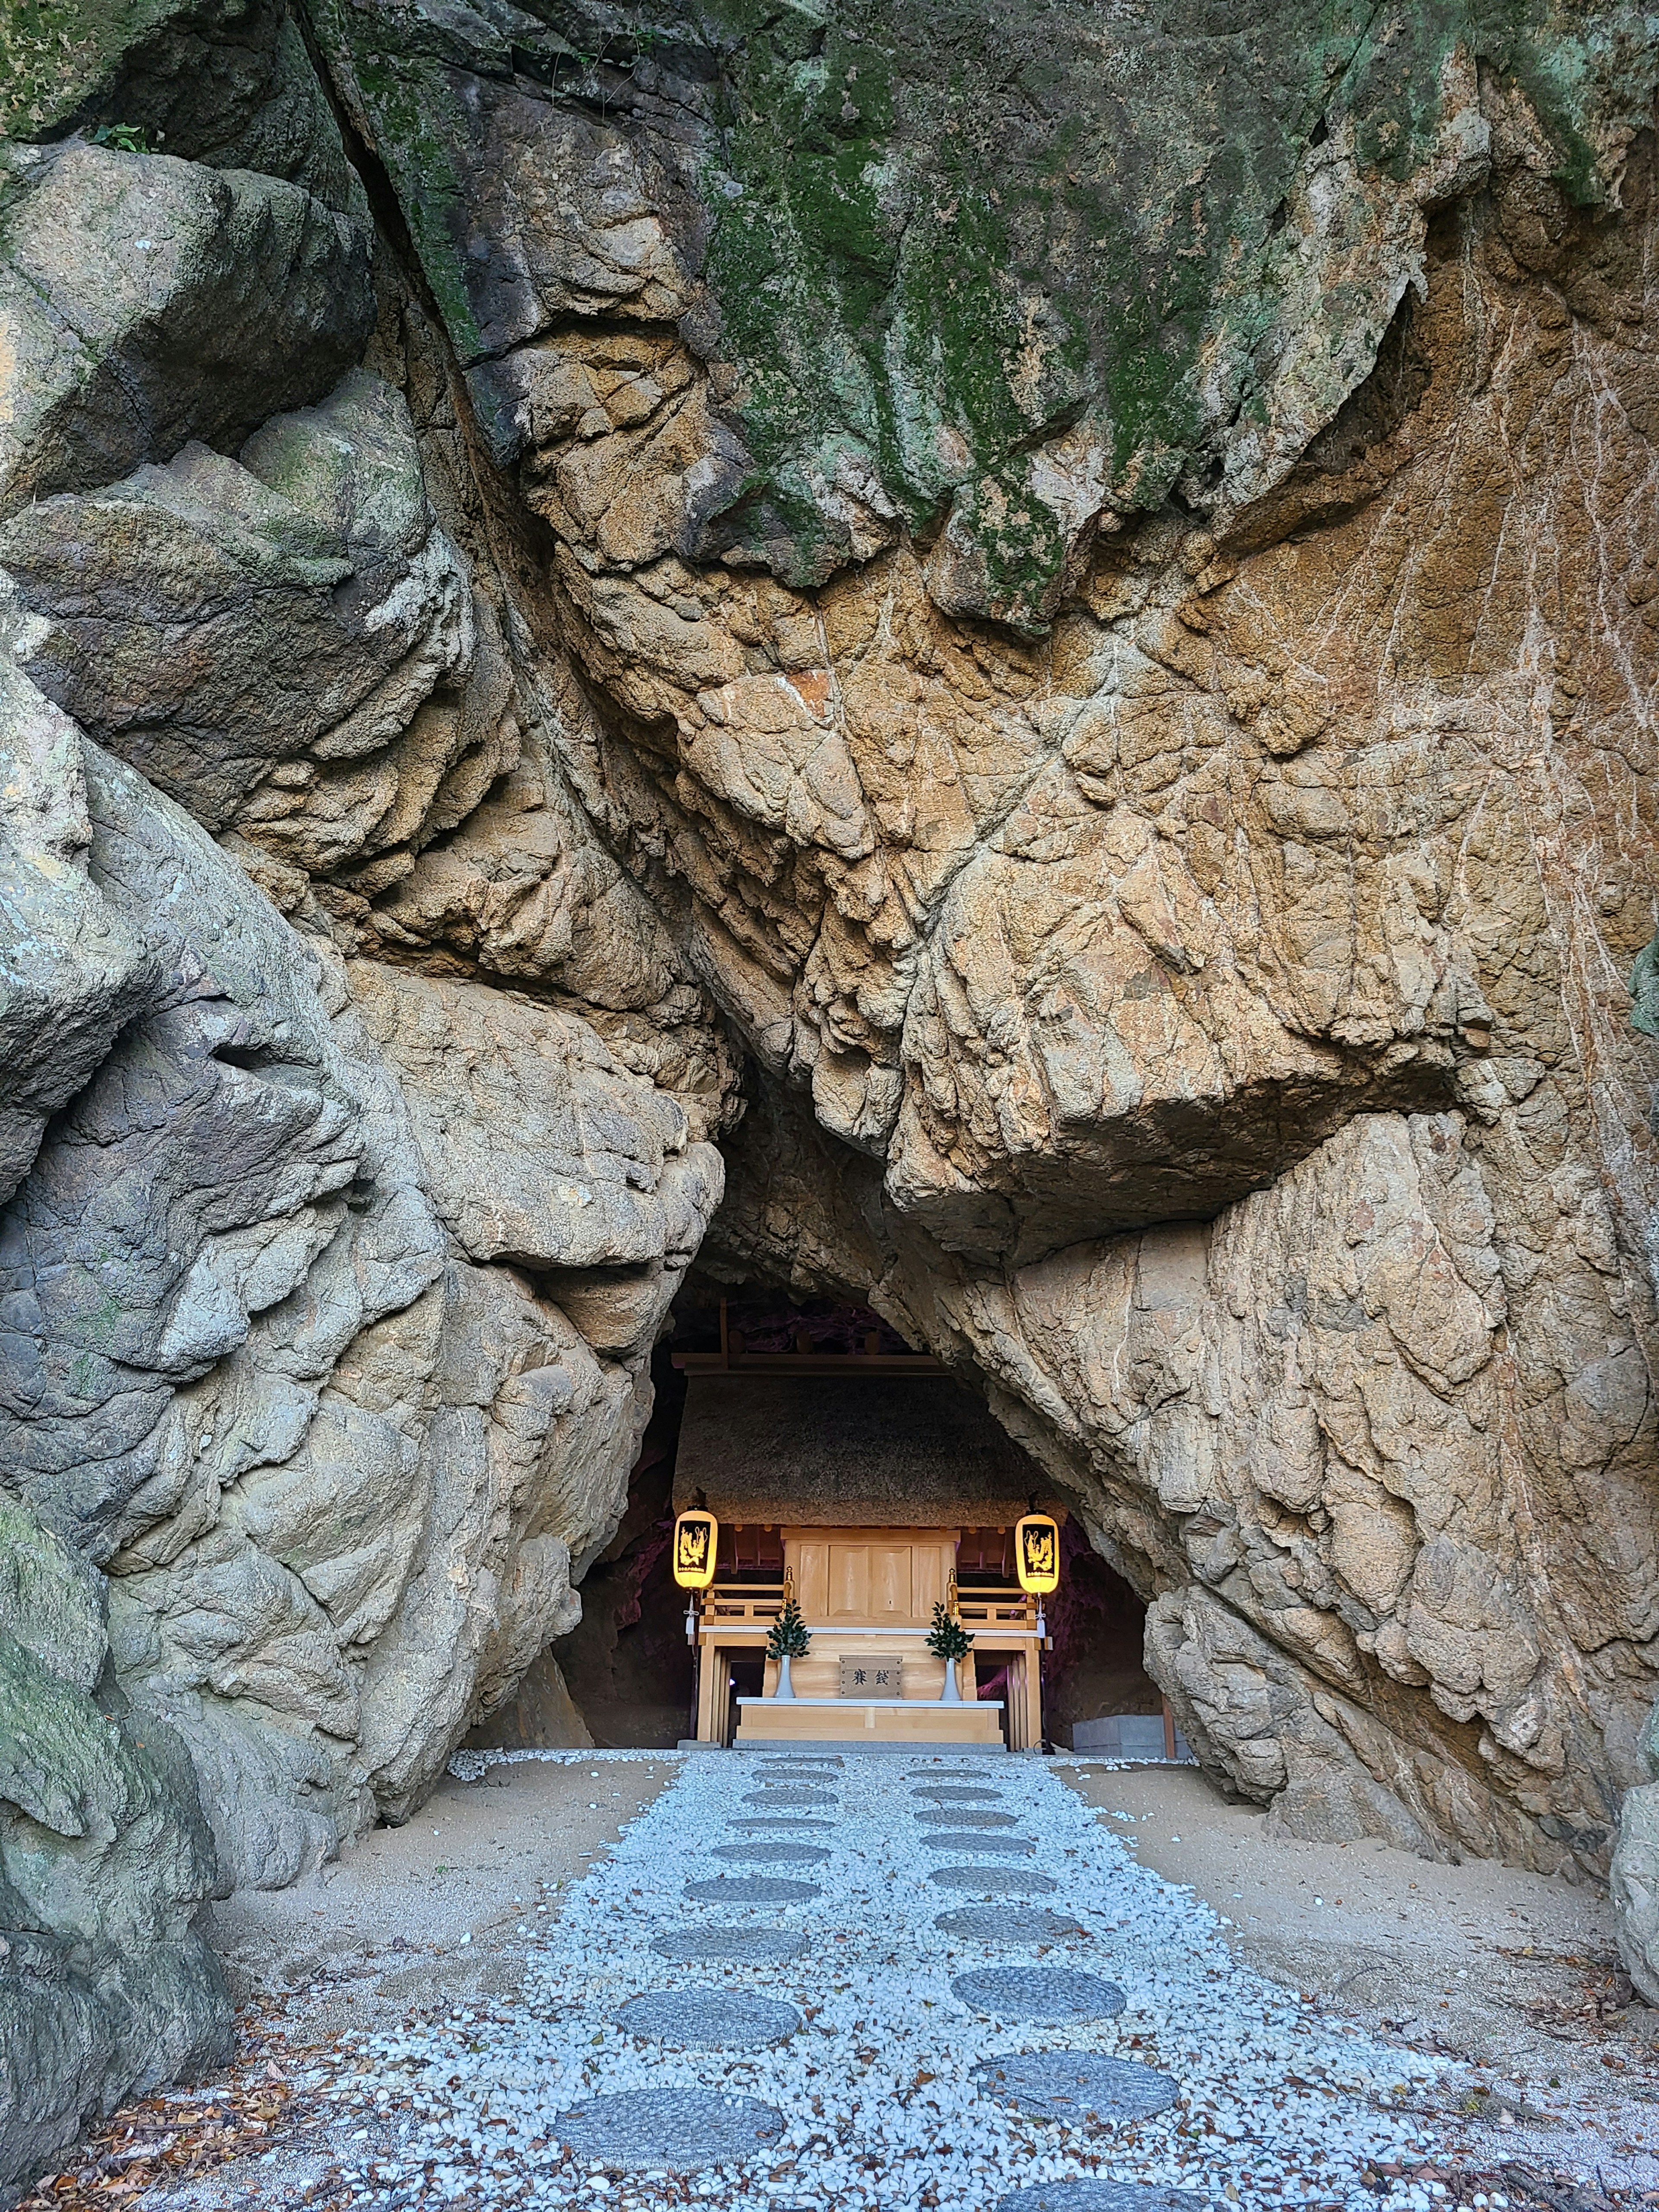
1100, 648
341, 1474
1634, 1883
215, 619
106, 1985
71, 971
1633, 1878
145, 302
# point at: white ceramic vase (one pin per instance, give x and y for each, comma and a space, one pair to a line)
951, 1695
786, 1689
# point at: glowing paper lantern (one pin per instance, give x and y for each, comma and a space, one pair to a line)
695, 1538
1036, 1554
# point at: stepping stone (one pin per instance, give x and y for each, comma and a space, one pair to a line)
958, 1796
789, 1796
709, 2019
681, 2129
1075, 2085
795, 1766
780, 1851
1006, 1847
782, 1820
742, 1946
1002, 1924
1039, 1993
752, 1889
995, 1882
965, 1817
1101, 2197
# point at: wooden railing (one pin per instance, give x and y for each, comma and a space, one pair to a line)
1008, 1607
736, 1604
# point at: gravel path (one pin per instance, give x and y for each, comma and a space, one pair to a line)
923, 1975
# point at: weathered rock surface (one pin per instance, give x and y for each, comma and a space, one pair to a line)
212, 621
319, 1368
106, 1985
1277, 856
1634, 1880
339, 1475
71, 972
1088, 584
145, 302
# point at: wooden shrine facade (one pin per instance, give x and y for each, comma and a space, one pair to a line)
865, 1491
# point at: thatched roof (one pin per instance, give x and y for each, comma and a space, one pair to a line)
863, 1450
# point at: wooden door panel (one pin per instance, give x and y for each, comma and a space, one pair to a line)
849, 1582
889, 1582
930, 1568
811, 1562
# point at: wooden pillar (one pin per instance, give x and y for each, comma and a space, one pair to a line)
1033, 1688
708, 1674
1014, 1697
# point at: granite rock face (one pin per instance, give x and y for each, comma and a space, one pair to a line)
106, 1985
1106, 577
1634, 1880
1067, 606
350, 1160
337, 1469
144, 301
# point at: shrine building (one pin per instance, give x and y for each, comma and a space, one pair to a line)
870, 1488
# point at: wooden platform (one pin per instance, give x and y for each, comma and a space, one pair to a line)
884, 1720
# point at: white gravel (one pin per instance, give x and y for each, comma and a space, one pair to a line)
880, 2111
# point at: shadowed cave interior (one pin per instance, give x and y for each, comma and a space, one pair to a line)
624, 1676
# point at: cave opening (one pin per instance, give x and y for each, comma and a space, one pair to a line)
826, 1384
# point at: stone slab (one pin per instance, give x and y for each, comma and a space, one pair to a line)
1004, 1847
995, 1881
780, 1850
752, 1889
1076, 2085
1101, 2197
708, 2019
1004, 1924
678, 2130
860, 1724
1039, 1993
798, 1747
793, 1821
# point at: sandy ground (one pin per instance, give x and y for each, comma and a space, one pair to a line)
1514, 1973
419, 1915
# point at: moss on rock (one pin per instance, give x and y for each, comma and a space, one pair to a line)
935, 241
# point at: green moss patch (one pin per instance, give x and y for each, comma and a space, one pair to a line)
935, 239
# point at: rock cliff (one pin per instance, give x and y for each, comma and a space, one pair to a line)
1027, 644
